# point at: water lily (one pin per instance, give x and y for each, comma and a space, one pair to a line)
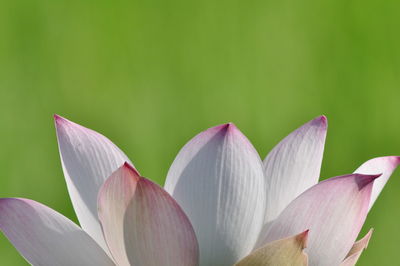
221, 205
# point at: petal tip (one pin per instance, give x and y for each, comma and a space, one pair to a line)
61, 122
368, 237
393, 161
128, 167
224, 130
302, 238
363, 243
227, 127
396, 160
363, 180
58, 119
321, 121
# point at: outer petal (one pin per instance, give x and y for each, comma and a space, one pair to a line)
114, 198
156, 230
355, 252
381, 165
334, 210
294, 165
88, 159
45, 237
218, 180
283, 252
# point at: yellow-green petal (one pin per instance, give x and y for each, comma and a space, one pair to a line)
285, 252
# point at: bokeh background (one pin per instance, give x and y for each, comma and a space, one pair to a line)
151, 74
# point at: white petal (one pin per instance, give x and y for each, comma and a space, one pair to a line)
218, 180
381, 165
334, 210
45, 237
88, 159
294, 165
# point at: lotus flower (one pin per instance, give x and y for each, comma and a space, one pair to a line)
221, 205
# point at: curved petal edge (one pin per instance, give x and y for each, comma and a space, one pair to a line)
156, 230
334, 210
45, 237
294, 165
113, 200
381, 165
88, 159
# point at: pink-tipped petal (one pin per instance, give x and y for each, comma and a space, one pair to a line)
283, 252
218, 180
114, 198
45, 237
334, 210
157, 231
294, 165
88, 159
355, 252
381, 165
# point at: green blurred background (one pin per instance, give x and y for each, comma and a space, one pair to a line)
151, 74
